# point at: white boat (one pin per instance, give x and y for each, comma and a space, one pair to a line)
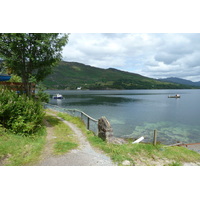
58, 96
176, 96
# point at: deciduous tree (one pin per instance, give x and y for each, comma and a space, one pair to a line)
32, 56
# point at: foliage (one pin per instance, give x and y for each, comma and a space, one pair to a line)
15, 78
70, 75
3, 68
31, 55
41, 95
22, 114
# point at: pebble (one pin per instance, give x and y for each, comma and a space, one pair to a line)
126, 163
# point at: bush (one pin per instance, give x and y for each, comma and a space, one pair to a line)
19, 113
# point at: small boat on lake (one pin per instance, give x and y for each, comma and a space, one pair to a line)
58, 96
175, 96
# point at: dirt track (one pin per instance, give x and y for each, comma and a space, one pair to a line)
85, 155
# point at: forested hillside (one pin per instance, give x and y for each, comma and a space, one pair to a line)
71, 75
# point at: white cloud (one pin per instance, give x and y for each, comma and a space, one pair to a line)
152, 55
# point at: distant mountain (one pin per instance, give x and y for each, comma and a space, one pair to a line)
71, 75
180, 81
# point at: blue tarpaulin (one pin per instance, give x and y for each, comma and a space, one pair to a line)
4, 77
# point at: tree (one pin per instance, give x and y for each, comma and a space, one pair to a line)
32, 56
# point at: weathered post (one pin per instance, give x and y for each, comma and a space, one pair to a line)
105, 130
88, 123
81, 115
155, 137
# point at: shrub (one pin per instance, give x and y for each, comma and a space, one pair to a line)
41, 95
19, 113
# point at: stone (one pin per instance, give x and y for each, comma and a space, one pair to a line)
105, 132
126, 163
115, 140
104, 129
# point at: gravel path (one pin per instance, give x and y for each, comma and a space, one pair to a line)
85, 155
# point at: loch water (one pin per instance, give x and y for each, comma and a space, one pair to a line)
136, 113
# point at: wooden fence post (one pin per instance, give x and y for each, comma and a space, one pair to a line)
88, 123
81, 115
155, 137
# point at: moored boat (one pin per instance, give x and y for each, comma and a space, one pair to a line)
175, 96
58, 96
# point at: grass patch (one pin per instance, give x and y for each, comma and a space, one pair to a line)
16, 150
75, 120
138, 154
145, 154
175, 164
61, 147
181, 154
64, 138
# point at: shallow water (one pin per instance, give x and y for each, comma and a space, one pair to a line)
136, 113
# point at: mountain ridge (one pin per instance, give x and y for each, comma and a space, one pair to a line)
180, 81
71, 75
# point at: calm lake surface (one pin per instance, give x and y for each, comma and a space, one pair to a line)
136, 113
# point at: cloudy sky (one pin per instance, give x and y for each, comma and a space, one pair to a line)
155, 55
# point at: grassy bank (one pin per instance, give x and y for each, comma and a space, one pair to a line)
17, 150
138, 154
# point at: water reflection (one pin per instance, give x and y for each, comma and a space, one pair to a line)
100, 100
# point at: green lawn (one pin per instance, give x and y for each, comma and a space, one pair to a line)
16, 150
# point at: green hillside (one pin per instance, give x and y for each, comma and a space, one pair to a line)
70, 75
